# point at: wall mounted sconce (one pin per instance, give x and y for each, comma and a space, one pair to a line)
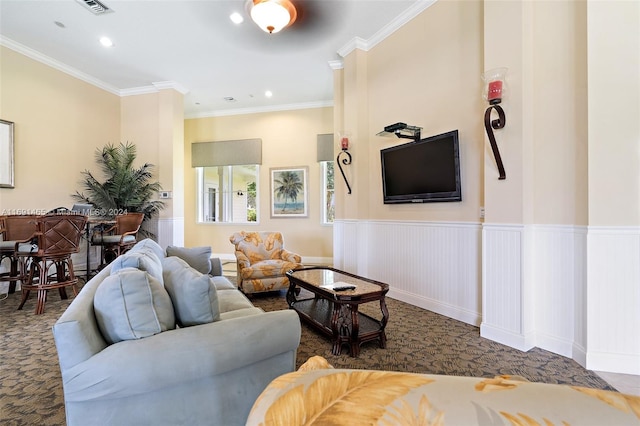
402, 130
494, 90
344, 146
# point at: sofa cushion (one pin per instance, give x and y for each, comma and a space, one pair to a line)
194, 295
149, 244
198, 258
132, 304
267, 269
231, 300
222, 283
143, 259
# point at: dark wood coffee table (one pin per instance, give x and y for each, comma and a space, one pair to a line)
335, 313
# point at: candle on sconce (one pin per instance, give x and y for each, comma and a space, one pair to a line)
494, 95
344, 143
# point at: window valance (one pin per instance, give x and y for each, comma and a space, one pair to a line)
226, 153
325, 147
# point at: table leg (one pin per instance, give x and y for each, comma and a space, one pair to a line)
355, 331
336, 329
383, 322
291, 294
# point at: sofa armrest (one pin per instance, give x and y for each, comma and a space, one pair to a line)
216, 267
133, 367
290, 256
242, 259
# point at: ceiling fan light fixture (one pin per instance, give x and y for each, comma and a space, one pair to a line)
273, 15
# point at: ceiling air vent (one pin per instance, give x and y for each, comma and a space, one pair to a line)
96, 7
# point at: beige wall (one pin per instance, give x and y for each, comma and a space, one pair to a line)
544, 143
288, 139
154, 122
614, 113
60, 121
426, 74
559, 113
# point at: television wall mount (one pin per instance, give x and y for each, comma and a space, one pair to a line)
402, 130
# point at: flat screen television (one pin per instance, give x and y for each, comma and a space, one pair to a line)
424, 171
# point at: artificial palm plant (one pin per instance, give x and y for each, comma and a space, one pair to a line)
126, 189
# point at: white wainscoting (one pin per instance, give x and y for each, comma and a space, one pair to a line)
433, 265
534, 287
613, 299
170, 231
571, 290
504, 315
558, 276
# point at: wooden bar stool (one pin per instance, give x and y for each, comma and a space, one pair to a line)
16, 230
49, 263
118, 238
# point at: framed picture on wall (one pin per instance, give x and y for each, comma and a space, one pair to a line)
289, 192
6, 154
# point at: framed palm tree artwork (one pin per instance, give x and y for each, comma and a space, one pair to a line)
289, 192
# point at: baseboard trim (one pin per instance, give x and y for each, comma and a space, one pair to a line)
517, 341
613, 363
450, 311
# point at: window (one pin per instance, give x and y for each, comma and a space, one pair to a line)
328, 199
228, 193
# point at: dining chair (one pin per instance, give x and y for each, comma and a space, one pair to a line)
118, 238
49, 261
16, 230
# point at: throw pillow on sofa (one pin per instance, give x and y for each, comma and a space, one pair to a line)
143, 259
198, 258
132, 304
148, 243
194, 295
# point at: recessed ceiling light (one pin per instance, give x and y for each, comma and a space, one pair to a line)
236, 18
229, 99
106, 42
60, 24
268, 93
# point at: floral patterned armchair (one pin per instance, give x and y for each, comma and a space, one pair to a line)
263, 261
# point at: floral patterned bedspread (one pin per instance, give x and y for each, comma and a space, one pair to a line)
317, 394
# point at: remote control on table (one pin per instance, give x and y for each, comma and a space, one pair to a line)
344, 287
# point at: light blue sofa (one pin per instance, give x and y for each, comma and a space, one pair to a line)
209, 374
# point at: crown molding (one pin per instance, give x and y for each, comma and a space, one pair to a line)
336, 65
257, 110
353, 44
161, 85
411, 12
37, 56
154, 88
356, 43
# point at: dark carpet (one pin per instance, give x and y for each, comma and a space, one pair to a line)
418, 341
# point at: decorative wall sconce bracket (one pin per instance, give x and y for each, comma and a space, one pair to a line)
489, 125
493, 91
346, 161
